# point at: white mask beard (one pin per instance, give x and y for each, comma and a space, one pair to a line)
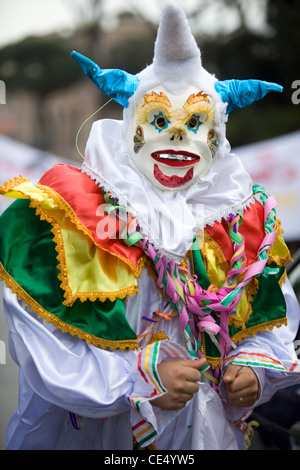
171, 139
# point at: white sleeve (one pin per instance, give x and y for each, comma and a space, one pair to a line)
65, 370
74, 375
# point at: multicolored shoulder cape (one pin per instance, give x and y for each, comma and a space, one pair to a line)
65, 255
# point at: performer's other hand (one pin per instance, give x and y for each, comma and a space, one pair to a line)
241, 385
179, 377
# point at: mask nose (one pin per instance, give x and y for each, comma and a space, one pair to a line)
177, 132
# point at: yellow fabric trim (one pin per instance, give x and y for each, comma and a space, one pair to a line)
159, 336
279, 252
94, 273
216, 267
57, 323
211, 244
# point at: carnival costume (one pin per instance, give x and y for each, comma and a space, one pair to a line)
158, 247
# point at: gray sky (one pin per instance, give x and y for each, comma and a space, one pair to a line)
25, 17
20, 18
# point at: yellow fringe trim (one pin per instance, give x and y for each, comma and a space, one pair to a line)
159, 336
278, 260
261, 328
11, 184
283, 279
57, 323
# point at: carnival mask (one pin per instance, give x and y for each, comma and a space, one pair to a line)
171, 138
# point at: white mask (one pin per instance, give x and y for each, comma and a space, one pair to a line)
171, 138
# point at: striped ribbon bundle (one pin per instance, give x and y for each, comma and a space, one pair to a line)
196, 305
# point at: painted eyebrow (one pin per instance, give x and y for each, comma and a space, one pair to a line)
157, 98
194, 99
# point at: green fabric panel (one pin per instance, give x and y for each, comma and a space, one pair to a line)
268, 303
28, 254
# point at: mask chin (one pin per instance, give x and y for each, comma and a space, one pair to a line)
168, 137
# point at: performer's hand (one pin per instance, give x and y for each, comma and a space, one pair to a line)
179, 377
241, 385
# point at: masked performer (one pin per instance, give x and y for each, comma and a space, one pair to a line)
146, 294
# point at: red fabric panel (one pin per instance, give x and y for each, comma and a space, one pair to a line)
252, 228
85, 197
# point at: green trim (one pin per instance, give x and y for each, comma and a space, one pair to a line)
199, 267
140, 443
258, 364
154, 358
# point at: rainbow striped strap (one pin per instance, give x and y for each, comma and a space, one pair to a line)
255, 359
147, 386
143, 432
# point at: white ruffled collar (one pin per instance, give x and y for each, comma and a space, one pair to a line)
169, 219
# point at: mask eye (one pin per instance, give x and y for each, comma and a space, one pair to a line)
160, 122
158, 119
195, 121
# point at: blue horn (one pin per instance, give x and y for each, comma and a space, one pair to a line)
241, 93
115, 83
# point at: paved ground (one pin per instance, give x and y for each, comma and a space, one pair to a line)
8, 379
